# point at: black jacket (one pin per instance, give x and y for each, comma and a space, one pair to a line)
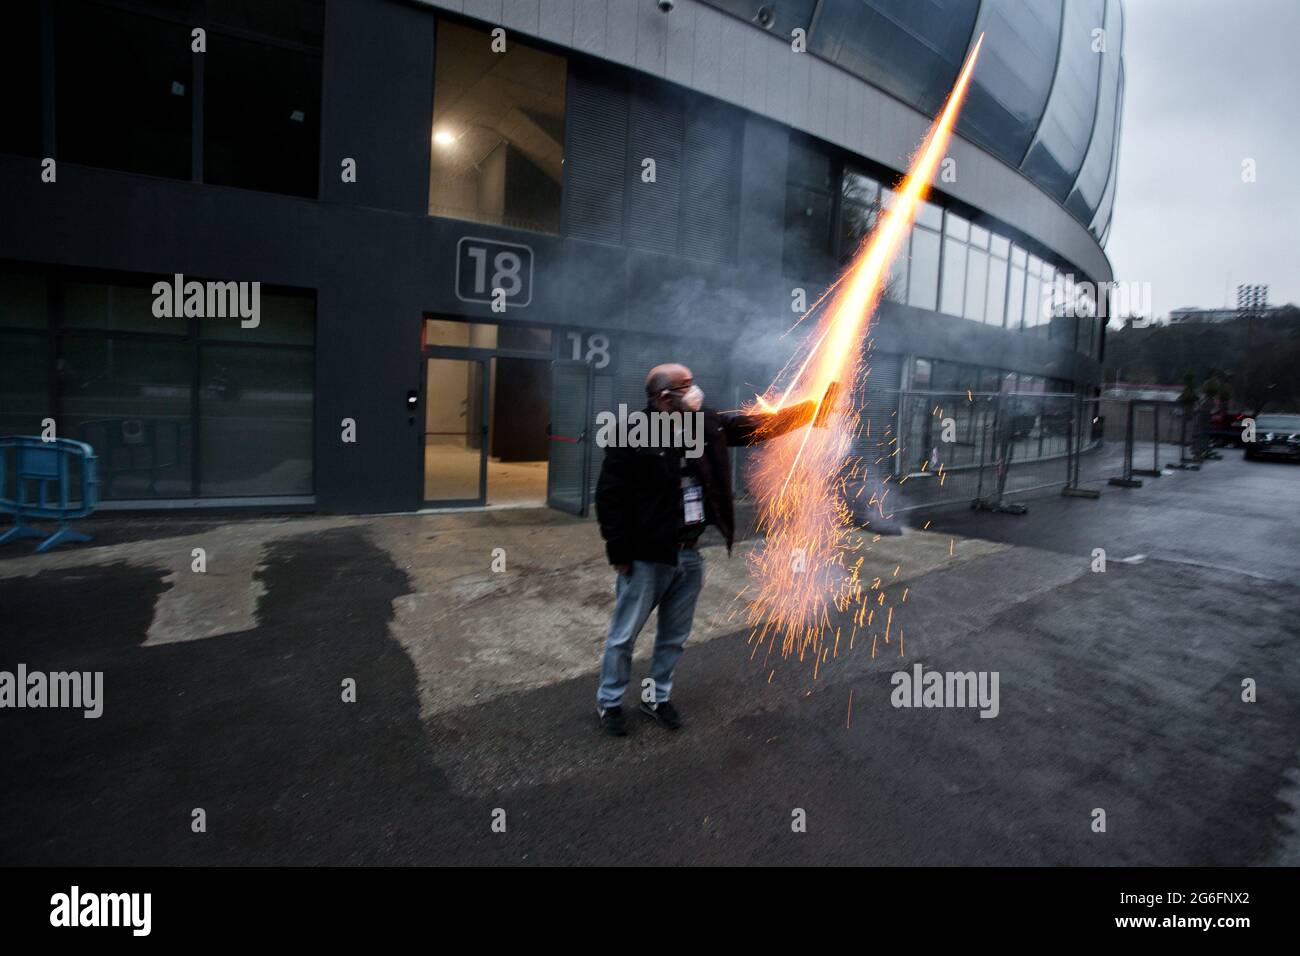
639, 498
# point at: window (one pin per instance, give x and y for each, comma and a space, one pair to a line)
809, 208
129, 398
255, 414
1066, 124
997, 301
954, 276
497, 154
261, 116
104, 306
859, 211
300, 22
123, 90
125, 77
923, 283
486, 335
24, 382
1016, 294
20, 78
128, 381
921, 374
977, 278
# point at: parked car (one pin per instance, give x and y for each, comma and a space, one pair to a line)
1225, 427
1277, 435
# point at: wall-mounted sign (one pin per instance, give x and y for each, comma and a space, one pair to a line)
494, 273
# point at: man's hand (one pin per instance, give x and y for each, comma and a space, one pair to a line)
623, 568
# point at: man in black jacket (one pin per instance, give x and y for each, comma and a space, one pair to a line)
653, 504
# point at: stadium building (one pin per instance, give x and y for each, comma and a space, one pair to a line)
475, 223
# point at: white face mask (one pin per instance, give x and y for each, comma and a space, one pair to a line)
693, 398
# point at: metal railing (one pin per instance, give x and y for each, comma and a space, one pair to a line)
973, 449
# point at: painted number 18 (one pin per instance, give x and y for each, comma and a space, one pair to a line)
597, 349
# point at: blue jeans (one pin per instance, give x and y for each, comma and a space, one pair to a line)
674, 590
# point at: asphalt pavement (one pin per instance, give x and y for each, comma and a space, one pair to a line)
1119, 691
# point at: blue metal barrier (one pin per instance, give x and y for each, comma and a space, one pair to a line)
32, 468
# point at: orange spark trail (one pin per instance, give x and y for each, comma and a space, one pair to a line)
801, 575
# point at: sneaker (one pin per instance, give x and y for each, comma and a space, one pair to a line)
611, 721
663, 713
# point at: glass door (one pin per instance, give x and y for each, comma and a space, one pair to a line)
567, 476
455, 431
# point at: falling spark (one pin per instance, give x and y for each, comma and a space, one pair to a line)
801, 575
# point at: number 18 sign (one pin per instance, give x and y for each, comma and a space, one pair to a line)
499, 274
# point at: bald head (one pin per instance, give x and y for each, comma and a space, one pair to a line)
666, 376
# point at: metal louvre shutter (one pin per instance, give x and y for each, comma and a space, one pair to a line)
655, 132
709, 179
595, 157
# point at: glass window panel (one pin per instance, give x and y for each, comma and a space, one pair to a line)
1018, 256
921, 374
859, 188
923, 280
24, 383
1035, 266
23, 300
1009, 89
20, 78
979, 237
1033, 302
957, 227
97, 305
807, 232
997, 291
913, 50
946, 378
129, 399
261, 117
497, 154
1101, 221
809, 164
123, 90
1096, 169
859, 206
453, 436
255, 421
283, 319
977, 274
930, 215
954, 277
1066, 127
999, 245
1016, 298
298, 21
524, 338
896, 284
990, 380
478, 335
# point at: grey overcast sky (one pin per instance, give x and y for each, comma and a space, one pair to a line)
1209, 84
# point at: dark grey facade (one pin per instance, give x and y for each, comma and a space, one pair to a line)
698, 270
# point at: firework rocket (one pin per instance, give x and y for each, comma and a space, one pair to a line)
808, 569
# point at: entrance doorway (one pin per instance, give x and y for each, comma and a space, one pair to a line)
487, 409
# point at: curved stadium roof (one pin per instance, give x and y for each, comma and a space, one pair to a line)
1046, 98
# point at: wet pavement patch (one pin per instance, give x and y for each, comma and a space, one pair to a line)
250, 727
